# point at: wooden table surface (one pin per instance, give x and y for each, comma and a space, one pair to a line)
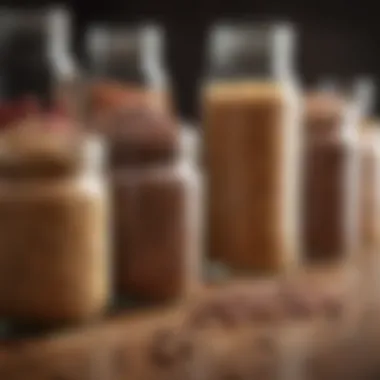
167, 344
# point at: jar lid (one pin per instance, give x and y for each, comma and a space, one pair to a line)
36, 149
137, 134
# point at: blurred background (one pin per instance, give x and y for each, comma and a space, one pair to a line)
336, 38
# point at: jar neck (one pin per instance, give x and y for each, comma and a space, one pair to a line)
250, 52
35, 54
264, 68
131, 55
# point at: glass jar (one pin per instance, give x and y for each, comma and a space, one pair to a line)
54, 264
370, 187
155, 196
36, 60
331, 175
251, 134
127, 67
158, 252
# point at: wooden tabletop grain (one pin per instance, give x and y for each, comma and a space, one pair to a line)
166, 344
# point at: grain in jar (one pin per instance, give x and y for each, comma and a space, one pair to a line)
331, 176
126, 66
54, 263
251, 134
155, 200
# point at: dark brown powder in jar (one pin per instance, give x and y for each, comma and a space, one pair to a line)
150, 233
327, 233
330, 179
53, 228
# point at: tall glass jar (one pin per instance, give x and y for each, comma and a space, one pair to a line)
155, 190
36, 61
369, 192
370, 187
54, 264
126, 65
331, 174
251, 134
